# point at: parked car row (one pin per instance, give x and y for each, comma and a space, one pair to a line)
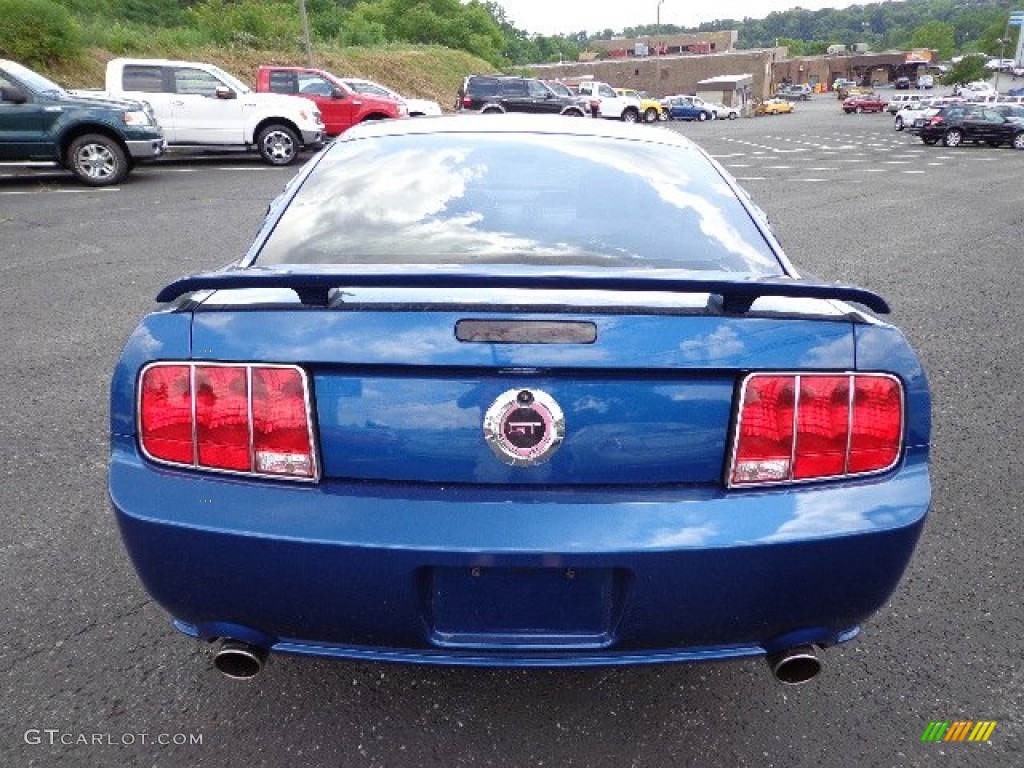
905, 117
148, 106
498, 93
957, 124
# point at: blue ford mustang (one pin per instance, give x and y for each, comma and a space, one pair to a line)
533, 391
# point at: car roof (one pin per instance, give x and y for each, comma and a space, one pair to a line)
515, 123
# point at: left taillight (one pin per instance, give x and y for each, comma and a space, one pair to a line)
800, 427
250, 419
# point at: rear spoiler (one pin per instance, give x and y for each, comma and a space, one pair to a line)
313, 288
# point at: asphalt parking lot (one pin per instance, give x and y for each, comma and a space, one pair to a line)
94, 676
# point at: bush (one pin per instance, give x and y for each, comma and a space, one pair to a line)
38, 32
249, 24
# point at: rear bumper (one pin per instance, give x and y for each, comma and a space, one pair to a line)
516, 577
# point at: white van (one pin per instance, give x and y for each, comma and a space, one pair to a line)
899, 100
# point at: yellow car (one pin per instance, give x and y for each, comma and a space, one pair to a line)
651, 110
774, 107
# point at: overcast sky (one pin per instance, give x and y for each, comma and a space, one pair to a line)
550, 17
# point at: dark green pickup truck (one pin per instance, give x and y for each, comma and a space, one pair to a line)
98, 139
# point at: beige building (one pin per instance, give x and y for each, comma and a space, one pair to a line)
666, 45
756, 73
665, 75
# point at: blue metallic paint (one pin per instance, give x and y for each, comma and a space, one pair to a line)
342, 566
377, 561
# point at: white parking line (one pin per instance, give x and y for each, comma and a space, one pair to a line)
12, 193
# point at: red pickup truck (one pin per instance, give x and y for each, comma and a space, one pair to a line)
340, 106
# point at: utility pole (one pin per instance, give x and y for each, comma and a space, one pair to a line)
657, 23
305, 33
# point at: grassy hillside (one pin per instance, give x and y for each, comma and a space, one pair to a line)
428, 72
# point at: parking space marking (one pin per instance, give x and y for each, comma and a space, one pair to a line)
14, 192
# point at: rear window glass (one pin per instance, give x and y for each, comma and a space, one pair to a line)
144, 78
539, 200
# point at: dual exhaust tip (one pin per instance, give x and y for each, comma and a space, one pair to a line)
243, 661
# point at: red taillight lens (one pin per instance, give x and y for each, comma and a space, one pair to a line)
877, 424
823, 426
765, 451
222, 417
251, 419
936, 121
280, 434
799, 427
467, 101
165, 413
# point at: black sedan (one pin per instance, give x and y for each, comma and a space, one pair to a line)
954, 125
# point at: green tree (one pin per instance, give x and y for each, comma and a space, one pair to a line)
249, 23
38, 32
465, 26
936, 36
967, 70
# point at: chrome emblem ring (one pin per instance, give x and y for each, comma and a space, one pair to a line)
524, 427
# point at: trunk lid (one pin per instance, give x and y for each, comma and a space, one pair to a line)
646, 392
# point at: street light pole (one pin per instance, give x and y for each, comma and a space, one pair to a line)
657, 24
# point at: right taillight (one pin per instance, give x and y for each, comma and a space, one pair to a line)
252, 419
803, 427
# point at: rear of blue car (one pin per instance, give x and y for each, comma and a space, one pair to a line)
434, 460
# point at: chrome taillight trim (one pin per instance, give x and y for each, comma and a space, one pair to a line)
249, 367
797, 376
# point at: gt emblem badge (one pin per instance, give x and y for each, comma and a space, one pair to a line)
524, 427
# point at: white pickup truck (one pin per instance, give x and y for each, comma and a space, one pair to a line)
202, 107
613, 106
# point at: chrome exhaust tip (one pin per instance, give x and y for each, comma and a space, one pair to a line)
794, 666
238, 660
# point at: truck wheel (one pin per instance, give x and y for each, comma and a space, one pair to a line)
97, 160
650, 115
278, 145
631, 115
